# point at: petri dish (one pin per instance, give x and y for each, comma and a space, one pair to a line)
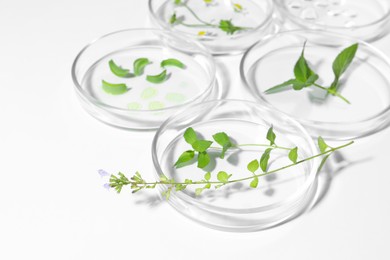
200, 20
366, 83
145, 104
363, 19
279, 197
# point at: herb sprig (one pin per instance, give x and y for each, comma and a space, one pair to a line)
224, 25
222, 178
305, 77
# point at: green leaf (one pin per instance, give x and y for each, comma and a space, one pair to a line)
223, 140
118, 71
302, 70
190, 135
177, 2
253, 166
323, 161
139, 65
172, 62
207, 176
293, 155
114, 89
281, 87
198, 191
228, 27
173, 19
201, 145
223, 176
203, 159
264, 159
322, 145
343, 60
185, 157
157, 78
254, 182
271, 135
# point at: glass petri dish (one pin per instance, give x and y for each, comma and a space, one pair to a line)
366, 83
145, 105
200, 20
279, 197
363, 19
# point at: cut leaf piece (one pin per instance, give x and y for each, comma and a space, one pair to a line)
223, 140
190, 135
322, 145
293, 155
118, 71
271, 135
185, 157
254, 183
253, 166
156, 79
223, 176
114, 89
139, 65
264, 159
172, 62
207, 176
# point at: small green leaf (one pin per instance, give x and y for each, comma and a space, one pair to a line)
139, 65
201, 145
322, 145
172, 62
207, 186
228, 27
271, 135
323, 161
173, 19
223, 176
190, 136
203, 159
185, 157
114, 89
281, 87
293, 155
198, 191
207, 176
264, 159
344, 59
254, 182
302, 70
118, 71
177, 2
156, 79
253, 166
223, 140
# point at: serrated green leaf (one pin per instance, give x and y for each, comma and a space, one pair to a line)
185, 157
139, 65
281, 87
190, 135
223, 176
322, 145
253, 166
271, 136
173, 63
254, 182
201, 145
223, 140
114, 89
118, 71
293, 155
207, 176
342, 62
264, 159
203, 159
157, 79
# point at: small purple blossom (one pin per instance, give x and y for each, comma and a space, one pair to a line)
107, 186
103, 173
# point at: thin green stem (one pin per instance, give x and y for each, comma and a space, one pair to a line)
334, 93
198, 25
196, 16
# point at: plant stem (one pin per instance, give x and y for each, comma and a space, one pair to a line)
196, 16
334, 93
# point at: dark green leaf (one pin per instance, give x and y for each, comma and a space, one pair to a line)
203, 159
139, 65
117, 70
281, 87
190, 136
114, 89
293, 155
322, 145
223, 176
156, 79
201, 145
185, 157
254, 182
271, 135
172, 62
253, 166
173, 19
344, 59
223, 140
207, 176
264, 159
302, 70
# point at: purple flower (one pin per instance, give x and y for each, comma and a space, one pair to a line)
103, 173
107, 186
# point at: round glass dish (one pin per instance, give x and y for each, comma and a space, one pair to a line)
362, 19
366, 83
278, 198
145, 105
201, 20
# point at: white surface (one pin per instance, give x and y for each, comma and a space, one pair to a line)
52, 205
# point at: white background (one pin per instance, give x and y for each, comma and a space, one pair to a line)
52, 204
